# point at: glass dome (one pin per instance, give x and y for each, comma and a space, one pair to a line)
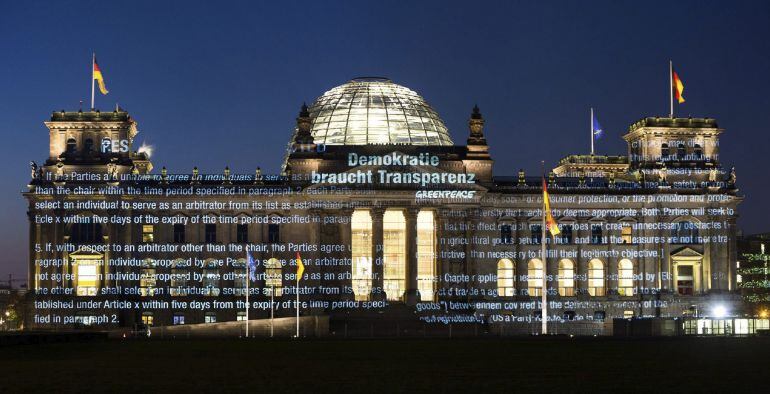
375, 111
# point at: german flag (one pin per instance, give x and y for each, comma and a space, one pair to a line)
300, 268
550, 223
99, 78
677, 86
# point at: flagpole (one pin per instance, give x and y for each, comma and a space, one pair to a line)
543, 289
671, 87
591, 123
272, 300
93, 61
297, 307
248, 274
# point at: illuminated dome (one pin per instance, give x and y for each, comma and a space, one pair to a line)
375, 111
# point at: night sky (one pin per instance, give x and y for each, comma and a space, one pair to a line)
220, 83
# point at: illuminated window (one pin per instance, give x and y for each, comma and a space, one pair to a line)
241, 233
685, 279
626, 233
147, 318
178, 319
506, 234
394, 254
596, 234
148, 278
739, 278
148, 233
210, 317
273, 233
179, 277
505, 278
625, 278
534, 277
628, 314
240, 316
361, 245
596, 278
88, 277
274, 276
179, 233
566, 278
210, 231
426, 255
211, 281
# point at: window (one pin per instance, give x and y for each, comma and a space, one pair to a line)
664, 152
88, 277
85, 233
147, 318
178, 319
566, 234
361, 254
210, 317
600, 315
626, 232
242, 233
106, 145
239, 277
534, 277
210, 233
179, 277
72, 146
628, 314
89, 146
394, 254
698, 152
179, 233
426, 255
684, 232
625, 278
680, 152
211, 281
506, 234
685, 279
240, 316
273, 233
596, 278
148, 233
568, 315
274, 276
505, 278
596, 234
535, 233
147, 278
566, 278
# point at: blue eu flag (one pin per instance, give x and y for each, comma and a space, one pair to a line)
596, 127
252, 266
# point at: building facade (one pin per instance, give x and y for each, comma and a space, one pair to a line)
387, 213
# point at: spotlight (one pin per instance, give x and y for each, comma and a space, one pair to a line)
719, 311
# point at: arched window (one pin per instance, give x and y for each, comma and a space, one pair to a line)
534, 277
394, 254
664, 151
626, 278
566, 278
72, 146
426, 255
596, 234
680, 152
505, 278
596, 278
626, 233
361, 245
506, 234
698, 152
566, 234
685, 232
148, 279
274, 277
88, 146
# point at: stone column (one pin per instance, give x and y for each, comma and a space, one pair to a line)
412, 291
345, 271
378, 274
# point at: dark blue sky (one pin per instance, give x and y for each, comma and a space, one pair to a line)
220, 83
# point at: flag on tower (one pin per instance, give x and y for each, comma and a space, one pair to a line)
550, 223
98, 77
300, 268
677, 86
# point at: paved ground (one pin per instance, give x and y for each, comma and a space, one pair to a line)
396, 365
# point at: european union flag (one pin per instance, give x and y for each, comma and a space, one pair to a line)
596, 127
252, 267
